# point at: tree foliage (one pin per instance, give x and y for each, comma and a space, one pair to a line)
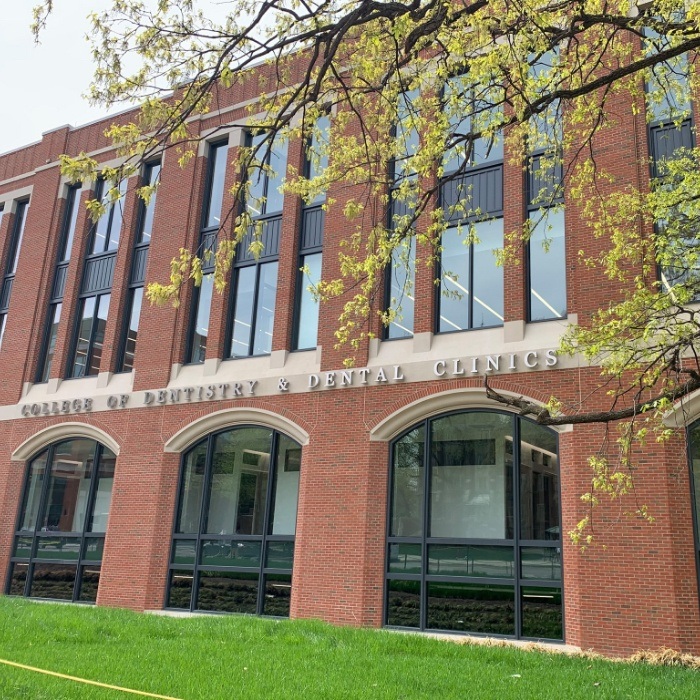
546, 76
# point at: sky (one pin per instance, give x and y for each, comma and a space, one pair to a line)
42, 85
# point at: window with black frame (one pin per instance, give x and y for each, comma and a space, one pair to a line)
137, 276
96, 286
53, 317
471, 193
254, 288
59, 540
313, 218
11, 260
546, 250
233, 540
400, 280
671, 137
474, 542
211, 222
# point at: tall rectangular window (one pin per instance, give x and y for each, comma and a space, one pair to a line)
53, 316
211, 221
546, 250
471, 194
137, 275
400, 278
255, 278
96, 286
311, 244
12, 253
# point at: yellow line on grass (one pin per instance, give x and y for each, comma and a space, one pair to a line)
85, 680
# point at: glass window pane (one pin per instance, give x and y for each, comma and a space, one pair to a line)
470, 560
278, 595
89, 583
543, 563
201, 320
243, 311
216, 186
17, 235
55, 581
180, 590
265, 313
23, 547
238, 553
278, 166
279, 555
256, 177
471, 480
185, 552
408, 478
454, 283
487, 303
99, 335
228, 591
317, 153
238, 491
407, 139
67, 548
103, 494
695, 469
403, 604
471, 607
94, 548
542, 613
135, 301
191, 490
405, 558
307, 329
547, 263
72, 209
32, 497
402, 280
69, 486
152, 177
285, 488
539, 483
117, 216
55, 316
18, 579
82, 346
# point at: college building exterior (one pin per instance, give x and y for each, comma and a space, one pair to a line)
219, 456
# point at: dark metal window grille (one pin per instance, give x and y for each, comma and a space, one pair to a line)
233, 538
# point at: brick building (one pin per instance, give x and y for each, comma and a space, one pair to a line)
218, 456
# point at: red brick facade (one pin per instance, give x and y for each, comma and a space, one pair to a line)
640, 591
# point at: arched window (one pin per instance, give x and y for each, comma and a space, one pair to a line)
233, 543
474, 542
60, 535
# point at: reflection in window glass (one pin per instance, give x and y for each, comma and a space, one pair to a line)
134, 314
471, 288
401, 289
55, 315
547, 266
202, 303
459, 570
239, 489
67, 495
307, 326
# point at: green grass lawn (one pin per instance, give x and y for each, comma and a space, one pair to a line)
243, 658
